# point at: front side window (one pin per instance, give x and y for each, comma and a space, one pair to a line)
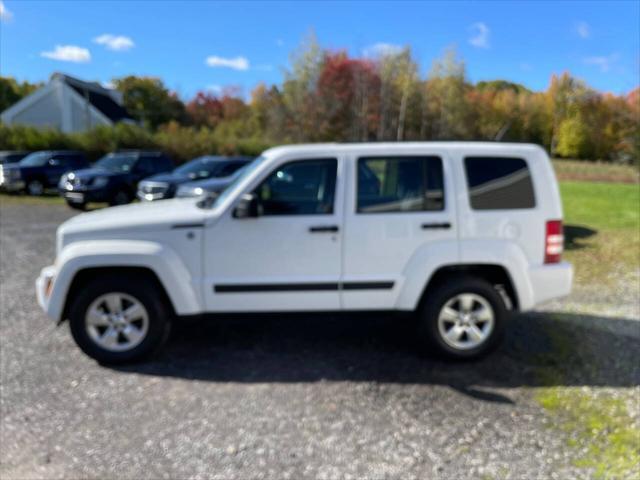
299, 188
400, 184
499, 183
37, 159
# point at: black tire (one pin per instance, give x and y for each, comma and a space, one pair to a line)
121, 197
141, 289
35, 188
432, 304
77, 206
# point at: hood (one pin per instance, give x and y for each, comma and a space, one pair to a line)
211, 184
171, 178
86, 174
129, 221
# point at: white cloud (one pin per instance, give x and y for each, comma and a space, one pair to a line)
480, 35
5, 13
583, 30
381, 49
237, 63
214, 88
114, 42
604, 62
68, 53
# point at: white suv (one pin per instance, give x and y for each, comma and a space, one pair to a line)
459, 233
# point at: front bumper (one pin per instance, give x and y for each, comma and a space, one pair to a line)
150, 197
84, 196
13, 185
551, 281
44, 286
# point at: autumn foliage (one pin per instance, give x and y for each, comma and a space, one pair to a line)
332, 96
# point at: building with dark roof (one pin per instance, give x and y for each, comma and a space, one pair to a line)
68, 104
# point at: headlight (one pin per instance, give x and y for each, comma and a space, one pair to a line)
63, 181
190, 192
100, 182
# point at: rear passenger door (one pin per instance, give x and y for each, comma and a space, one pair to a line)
402, 207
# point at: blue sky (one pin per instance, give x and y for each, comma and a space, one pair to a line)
194, 45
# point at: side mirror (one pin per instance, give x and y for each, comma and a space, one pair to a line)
247, 207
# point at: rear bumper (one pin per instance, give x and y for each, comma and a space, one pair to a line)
44, 286
551, 281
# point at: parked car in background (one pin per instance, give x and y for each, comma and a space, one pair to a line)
210, 186
7, 157
112, 179
11, 156
456, 234
165, 185
40, 170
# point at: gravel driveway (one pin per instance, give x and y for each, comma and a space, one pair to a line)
280, 398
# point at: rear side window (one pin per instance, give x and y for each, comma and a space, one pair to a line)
400, 184
499, 183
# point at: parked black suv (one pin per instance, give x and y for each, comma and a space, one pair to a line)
165, 185
11, 156
112, 179
40, 170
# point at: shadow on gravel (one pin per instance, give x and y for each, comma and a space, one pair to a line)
583, 349
575, 234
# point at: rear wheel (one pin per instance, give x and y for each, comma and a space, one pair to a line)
119, 320
35, 188
463, 318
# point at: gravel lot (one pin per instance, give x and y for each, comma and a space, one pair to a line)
285, 398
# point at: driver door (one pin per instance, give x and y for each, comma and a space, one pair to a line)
289, 257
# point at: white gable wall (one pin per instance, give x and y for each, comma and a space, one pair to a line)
55, 105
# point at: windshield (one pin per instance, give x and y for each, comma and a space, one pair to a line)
202, 167
213, 200
116, 163
37, 159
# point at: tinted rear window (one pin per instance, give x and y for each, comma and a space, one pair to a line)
499, 183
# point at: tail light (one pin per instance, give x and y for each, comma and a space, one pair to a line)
553, 242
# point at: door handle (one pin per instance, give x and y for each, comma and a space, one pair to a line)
324, 229
434, 226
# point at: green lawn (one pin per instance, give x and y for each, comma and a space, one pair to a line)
601, 205
607, 237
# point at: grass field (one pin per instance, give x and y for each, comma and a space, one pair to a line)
574, 170
602, 226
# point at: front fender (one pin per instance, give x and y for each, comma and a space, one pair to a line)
162, 260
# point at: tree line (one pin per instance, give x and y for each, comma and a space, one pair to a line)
331, 96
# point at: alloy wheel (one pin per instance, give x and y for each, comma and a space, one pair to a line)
117, 322
466, 321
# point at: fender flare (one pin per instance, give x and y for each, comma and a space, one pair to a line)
426, 261
161, 260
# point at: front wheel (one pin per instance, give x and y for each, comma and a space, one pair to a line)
77, 205
35, 188
118, 320
463, 318
120, 198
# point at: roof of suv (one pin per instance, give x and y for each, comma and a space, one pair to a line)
321, 148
